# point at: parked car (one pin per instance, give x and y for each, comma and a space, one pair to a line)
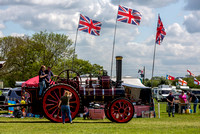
4, 93
196, 92
14, 94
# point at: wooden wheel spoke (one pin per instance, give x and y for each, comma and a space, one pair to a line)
50, 105
53, 107
56, 95
115, 111
58, 113
72, 102
116, 106
54, 111
52, 96
52, 101
122, 116
120, 104
126, 114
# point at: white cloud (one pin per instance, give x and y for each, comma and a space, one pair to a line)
150, 3
175, 30
192, 5
192, 22
178, 52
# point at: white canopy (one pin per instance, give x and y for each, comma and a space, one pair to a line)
132, 82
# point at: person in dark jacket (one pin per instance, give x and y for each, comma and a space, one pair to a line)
65, 107
49, 75
42, 80
194, 99
171, 106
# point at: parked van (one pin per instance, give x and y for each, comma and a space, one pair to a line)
163, 92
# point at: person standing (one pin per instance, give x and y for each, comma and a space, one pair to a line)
65, 107
183, 101
49, 74
23, 109
171, 106
86, 112
194, 99
42, 79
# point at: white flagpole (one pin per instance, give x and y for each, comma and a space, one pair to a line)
113, 46
153, 65
75, 44
154, 59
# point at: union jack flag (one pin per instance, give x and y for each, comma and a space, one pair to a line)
160, 31
89, 26
127, 15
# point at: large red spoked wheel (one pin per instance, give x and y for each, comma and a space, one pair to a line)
51, 100
121, 110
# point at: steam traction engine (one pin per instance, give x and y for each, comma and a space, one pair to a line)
112, 94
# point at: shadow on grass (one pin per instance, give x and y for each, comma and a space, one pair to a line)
50, 122
25, 122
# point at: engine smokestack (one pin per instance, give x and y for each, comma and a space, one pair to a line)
118, 70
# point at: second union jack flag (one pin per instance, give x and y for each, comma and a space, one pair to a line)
88, 25
127, 15
160, 31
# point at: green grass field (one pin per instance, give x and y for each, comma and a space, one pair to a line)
185, 123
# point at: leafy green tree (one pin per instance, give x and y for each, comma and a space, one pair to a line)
25, 55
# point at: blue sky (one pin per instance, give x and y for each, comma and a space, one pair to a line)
178, 52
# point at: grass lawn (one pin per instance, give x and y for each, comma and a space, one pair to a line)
185, 123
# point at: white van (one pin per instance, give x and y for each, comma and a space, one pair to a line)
163, 92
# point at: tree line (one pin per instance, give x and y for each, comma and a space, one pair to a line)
24, 56
162, 80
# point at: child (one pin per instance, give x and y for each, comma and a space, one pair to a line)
23, 108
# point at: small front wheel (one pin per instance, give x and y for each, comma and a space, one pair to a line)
121, 110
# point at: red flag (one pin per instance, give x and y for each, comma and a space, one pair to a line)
169, 77
182, 82
196, 81
191, 74
160, 31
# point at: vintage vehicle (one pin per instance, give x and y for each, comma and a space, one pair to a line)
118, 105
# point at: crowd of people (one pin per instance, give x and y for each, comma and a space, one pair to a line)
184, 102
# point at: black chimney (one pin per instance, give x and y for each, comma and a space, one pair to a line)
118, 71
